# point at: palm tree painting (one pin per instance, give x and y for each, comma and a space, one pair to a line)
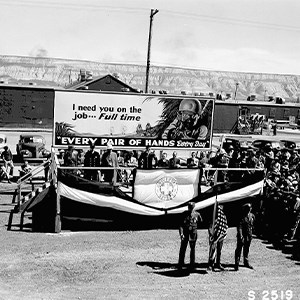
64, 129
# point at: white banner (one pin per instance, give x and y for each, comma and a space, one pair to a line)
166, 188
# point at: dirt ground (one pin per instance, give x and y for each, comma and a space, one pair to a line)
132, 265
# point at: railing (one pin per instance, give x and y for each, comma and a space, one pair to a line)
209, 177
117, 169
30, 176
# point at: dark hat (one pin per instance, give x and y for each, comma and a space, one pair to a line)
5, 147
246, 205
191, 204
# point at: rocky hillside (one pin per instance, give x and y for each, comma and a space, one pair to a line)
61, 72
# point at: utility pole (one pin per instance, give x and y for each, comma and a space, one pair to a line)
152, 14
236, 88
265, 94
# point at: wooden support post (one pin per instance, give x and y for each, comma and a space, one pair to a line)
15, 195
22, 219
57, 228
11, 214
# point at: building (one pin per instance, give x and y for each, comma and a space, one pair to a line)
107, 83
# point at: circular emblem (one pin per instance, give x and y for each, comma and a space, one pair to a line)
166, 188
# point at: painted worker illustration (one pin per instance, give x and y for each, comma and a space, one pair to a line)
188, 123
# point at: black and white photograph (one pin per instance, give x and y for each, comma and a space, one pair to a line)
150, 149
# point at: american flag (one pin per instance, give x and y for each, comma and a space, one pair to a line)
220, 228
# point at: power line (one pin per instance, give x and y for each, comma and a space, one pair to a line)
215, 19
233, 21
71, 6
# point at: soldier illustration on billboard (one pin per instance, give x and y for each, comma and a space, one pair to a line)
189, 122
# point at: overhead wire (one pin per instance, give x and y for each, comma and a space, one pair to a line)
70, 5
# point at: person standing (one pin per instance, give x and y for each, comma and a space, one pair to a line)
193, 161
71, 159
7, 157
163, 162
130, 162
188, 234
91, 159
110, 159
174, 162
217, 234
244, 236
147, 159
275, 128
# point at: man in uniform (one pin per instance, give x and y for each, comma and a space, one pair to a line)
91, 159
244, 236
147, 159
188, 233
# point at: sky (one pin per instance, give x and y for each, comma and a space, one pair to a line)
261, 36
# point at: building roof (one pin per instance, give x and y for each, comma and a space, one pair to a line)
101, 83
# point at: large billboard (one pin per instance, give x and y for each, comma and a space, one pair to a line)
131, 121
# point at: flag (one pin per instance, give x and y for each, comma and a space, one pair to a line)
218, 234
166, 188
220, 228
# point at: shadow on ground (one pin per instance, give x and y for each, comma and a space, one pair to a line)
171, 269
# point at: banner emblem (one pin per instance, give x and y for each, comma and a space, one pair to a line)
166, 188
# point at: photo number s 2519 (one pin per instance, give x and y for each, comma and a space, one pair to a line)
270, 295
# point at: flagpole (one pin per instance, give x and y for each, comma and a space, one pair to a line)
215, 182
211, 239
215, 205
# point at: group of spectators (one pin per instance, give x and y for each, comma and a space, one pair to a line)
278, 211
101, 166
8, 166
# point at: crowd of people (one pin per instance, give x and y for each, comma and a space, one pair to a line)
103, 164
277, 213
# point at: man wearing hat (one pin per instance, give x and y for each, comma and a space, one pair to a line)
71, 158
7, 157
91, 159
188, 234
222, 161
109, 159
244, 236
269, 155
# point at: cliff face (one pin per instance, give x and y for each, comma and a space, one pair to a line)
61, 72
